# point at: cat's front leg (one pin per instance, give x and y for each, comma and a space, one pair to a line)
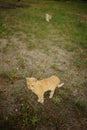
41, 99
51, 94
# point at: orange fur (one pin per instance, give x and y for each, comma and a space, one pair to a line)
39, 87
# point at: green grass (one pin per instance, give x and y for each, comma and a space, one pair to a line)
21, 62
34, 120
80, 107
55, 66
8, 74
61, 92
56, 100
82, 85
31, 46
65, 23
80, 104
81, 63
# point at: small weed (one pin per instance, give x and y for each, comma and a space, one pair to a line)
24, 107
29, 115
26, 119
30, 46
24, 74
61, 92
80, 104
24, 110
62, 119
56, 100
54, 66
81, 63
4, 30
80, 107
82, 85
13, 73
42, 68
70, 47
34, 120
9, 74
21, 62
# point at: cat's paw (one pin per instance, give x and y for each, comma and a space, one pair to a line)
40, 101
50, 96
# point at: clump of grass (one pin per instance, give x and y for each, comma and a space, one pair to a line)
56, 100
61, 92
4, 30
34, 120
24, 110
54, 66
21, 62
81, 63
80, 107
26, 119
9, 74
13, 73
30, 46
61, 119
25, 114
70, 47
82, 85
29, 115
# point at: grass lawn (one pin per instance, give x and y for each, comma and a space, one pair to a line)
31, 46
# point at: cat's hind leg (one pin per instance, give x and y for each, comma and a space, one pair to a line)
51, 93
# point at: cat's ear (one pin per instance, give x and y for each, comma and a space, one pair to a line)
34, 79
27, 79
31, 79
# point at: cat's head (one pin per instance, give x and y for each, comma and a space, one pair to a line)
31, 82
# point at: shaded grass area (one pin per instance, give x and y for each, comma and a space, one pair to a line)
32, 115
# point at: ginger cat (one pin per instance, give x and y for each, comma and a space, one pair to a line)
39, 87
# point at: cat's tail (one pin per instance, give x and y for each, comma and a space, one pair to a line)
60, 85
